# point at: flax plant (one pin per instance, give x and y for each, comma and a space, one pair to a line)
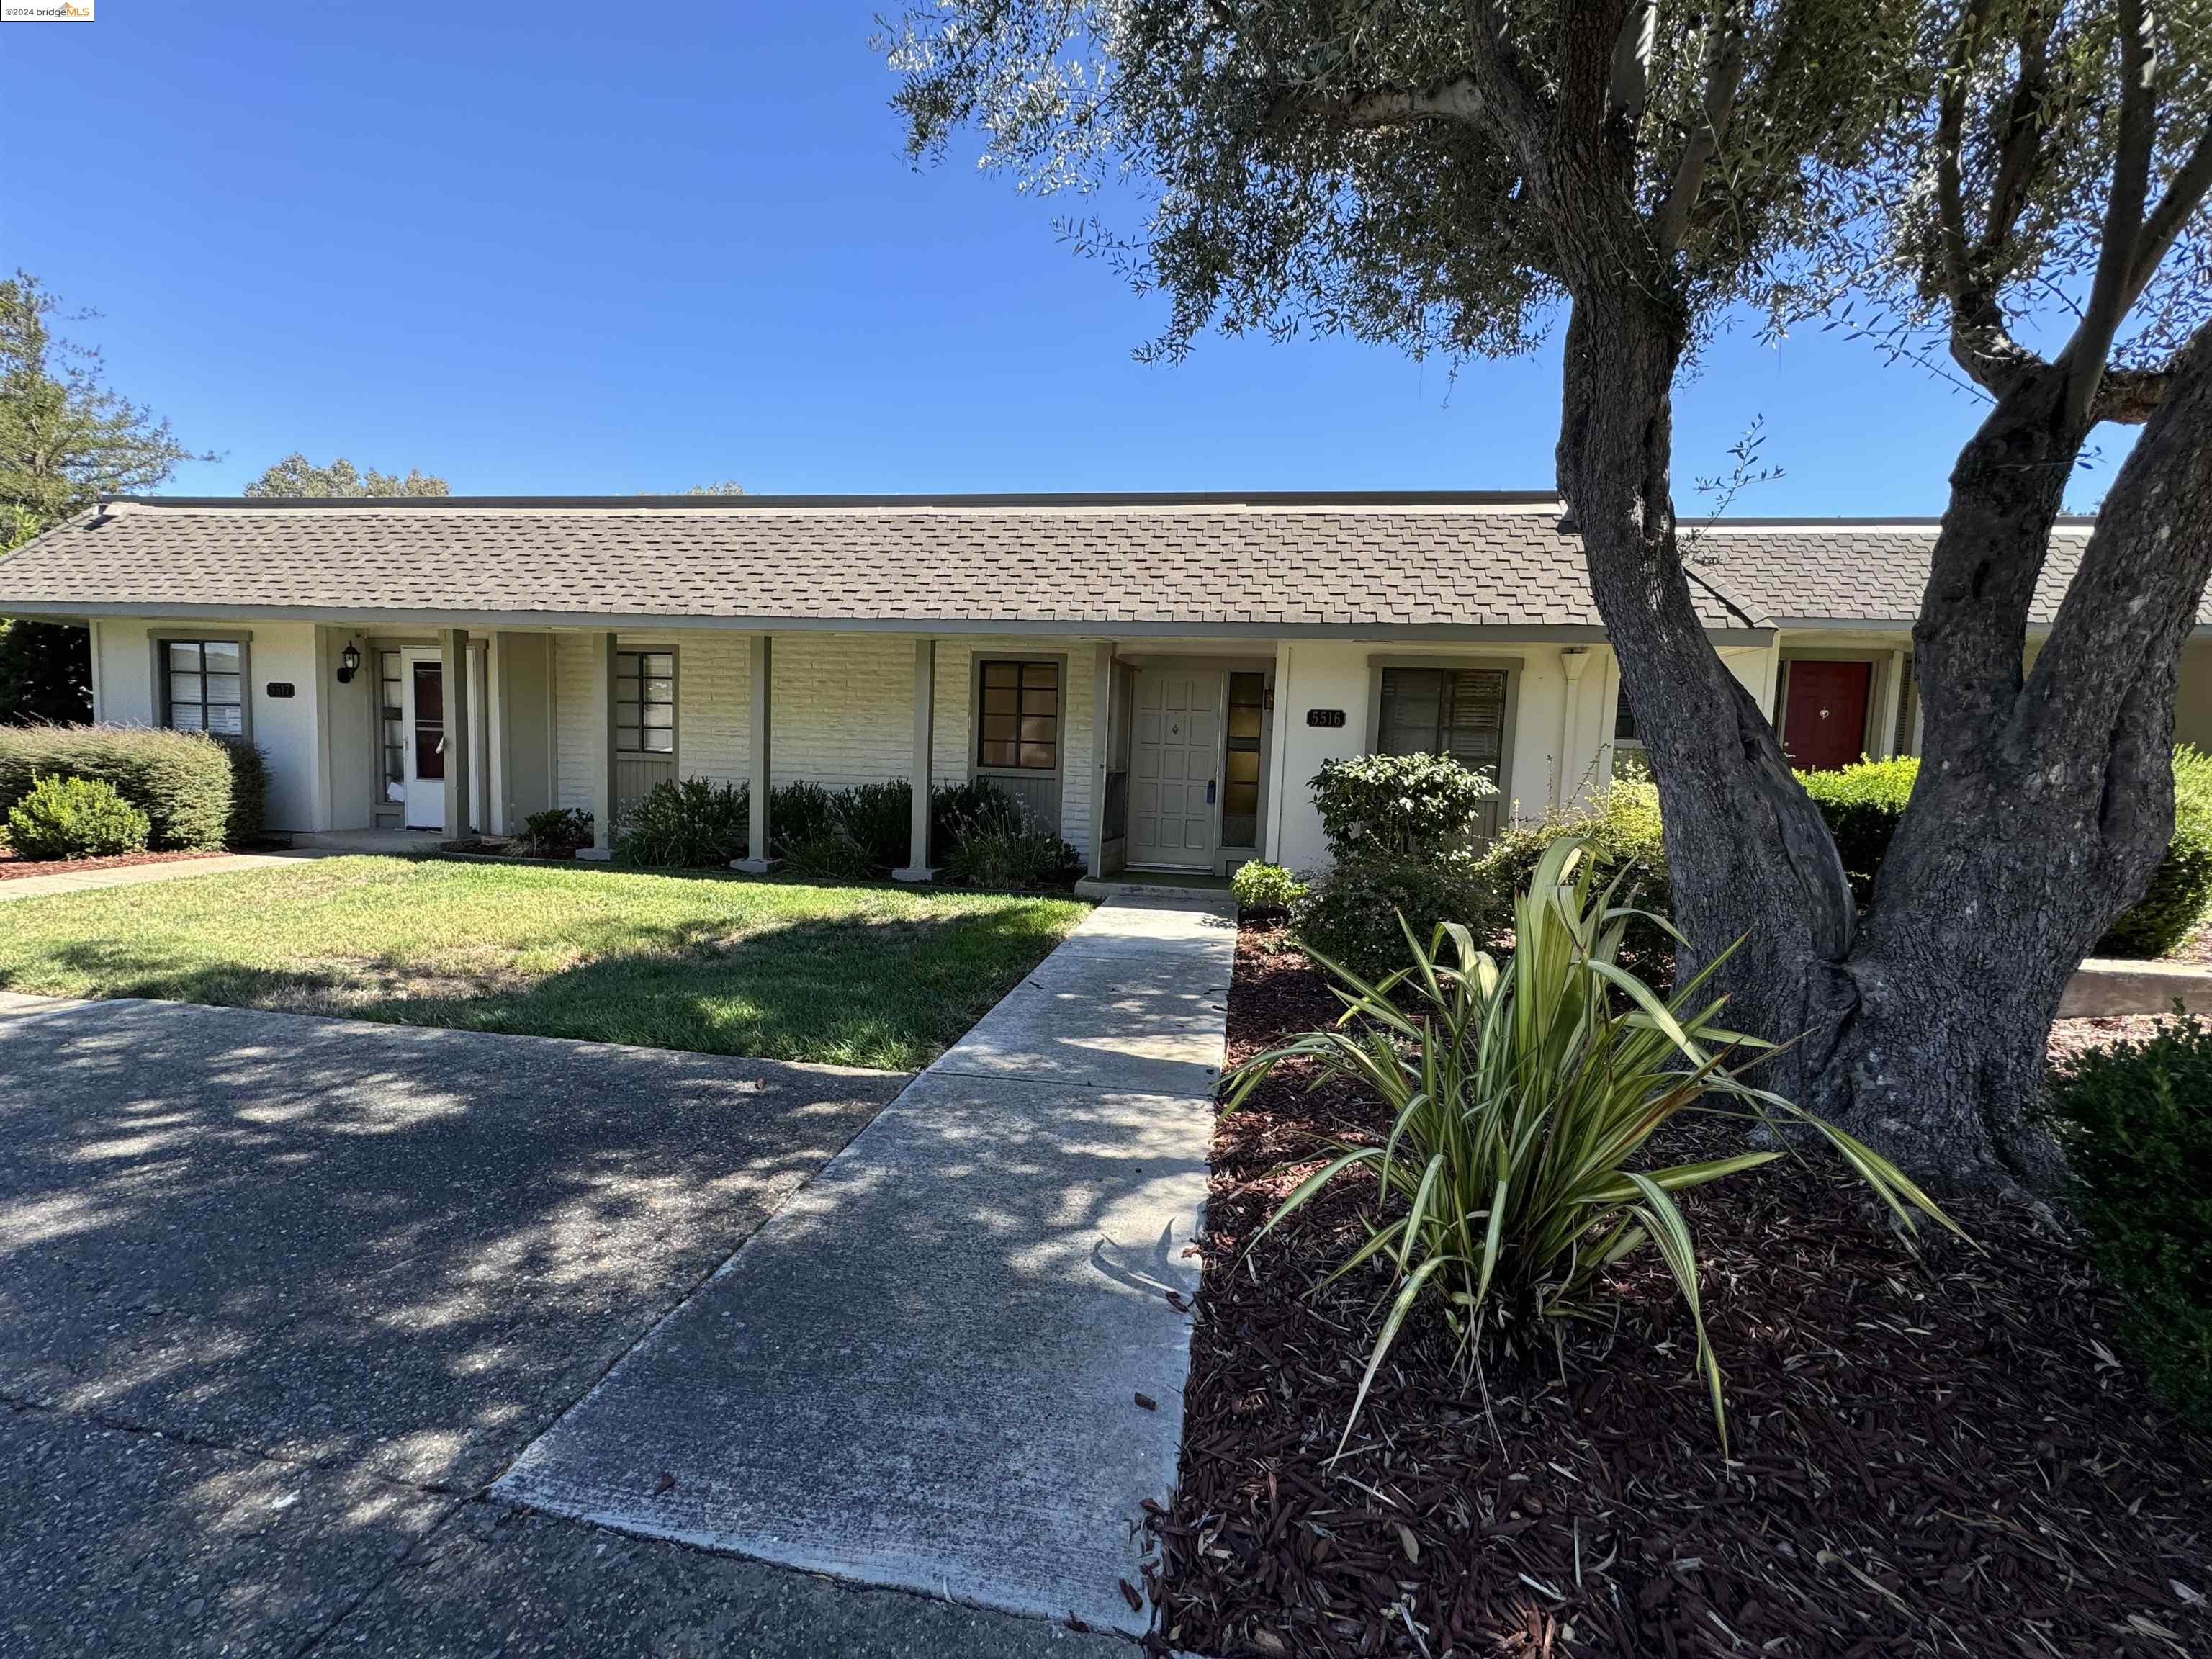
1522, 1097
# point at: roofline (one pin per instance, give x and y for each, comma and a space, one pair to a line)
367, 618
1546, 498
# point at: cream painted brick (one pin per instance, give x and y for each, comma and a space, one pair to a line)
953, 740
843, 708
713, 707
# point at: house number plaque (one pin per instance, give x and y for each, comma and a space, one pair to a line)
1324, 717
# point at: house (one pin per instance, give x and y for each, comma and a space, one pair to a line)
1156, 677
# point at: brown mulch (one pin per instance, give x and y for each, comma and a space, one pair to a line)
13, 867
1927, 1459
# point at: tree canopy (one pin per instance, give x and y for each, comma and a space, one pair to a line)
297, 475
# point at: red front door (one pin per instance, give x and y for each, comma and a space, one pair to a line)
1824, 725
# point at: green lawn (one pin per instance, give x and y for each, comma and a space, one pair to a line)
856, 975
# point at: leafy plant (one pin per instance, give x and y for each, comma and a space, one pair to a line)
249, 792
559, 832
76, 818
2180, 890
1265, 890
799, 812
831, 854
1864, 804
974, 808
1353, 914
1620, 825
1419, 804
183, 782
994, 856
880, 817
1521, 1099
693, 825
2136, 1121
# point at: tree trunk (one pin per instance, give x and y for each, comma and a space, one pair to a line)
2045, 796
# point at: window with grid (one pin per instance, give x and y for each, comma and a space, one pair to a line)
645, 702
207, 686
1240, 792
1628, 759
1460, 712
392, 724
1018, 726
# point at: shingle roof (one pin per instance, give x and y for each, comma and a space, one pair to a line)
1137, 564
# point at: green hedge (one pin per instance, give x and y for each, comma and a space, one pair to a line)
2136, 1121
1864, 804
1621, 824
189, 785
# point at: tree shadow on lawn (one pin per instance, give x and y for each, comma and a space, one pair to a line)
887, 993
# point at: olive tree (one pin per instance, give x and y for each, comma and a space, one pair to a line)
1456, 177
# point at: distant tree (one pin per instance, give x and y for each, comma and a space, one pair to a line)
297, 475
65, 440
725, 487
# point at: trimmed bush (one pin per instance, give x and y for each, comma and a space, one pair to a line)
1864, 804
880, 817
560, 832
182, 781
75, 819
2180, 888
2136, 1121
1621, 826
249, 792
691, 825
1417, 804
1265, 890
1350, 916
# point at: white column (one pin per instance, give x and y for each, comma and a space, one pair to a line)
1278, 755
761, 773
925, 720
1882, 740
1573, 659
453, 671
603, 799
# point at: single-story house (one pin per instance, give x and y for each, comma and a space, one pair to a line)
1157, 677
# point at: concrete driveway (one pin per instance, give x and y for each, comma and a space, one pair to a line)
282, 1296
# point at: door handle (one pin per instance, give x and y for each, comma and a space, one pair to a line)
1209, 792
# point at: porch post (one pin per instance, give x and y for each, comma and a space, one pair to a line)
453, 670
603, 748
925, 717
760, 773
1101, 750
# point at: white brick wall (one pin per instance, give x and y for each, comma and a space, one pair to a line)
844, 711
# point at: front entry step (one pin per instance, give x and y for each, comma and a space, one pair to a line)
1106, 889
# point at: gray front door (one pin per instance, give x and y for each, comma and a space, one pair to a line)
1174, 755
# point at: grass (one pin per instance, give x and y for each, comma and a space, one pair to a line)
853, 974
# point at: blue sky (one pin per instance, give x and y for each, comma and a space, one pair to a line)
603, 248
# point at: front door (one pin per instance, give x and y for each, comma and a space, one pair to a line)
1174, 754
1824, 724
423, 690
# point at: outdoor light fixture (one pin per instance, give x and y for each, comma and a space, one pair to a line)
349, 663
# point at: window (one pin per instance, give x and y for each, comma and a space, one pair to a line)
1460, 712
1018, 726
207, 686
1240, 793
645, 702
392, 724
1628, 760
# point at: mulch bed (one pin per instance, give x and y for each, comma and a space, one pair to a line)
15, 868
1940, 1458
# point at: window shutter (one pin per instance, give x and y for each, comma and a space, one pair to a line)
1474, 719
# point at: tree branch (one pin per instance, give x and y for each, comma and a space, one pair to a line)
1950, 195
1723, 79
2184, 195
2025, 128
2109, 297
1456, 100
1631, 60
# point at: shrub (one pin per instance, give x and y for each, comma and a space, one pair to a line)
977, 807
560, 832
2136, 1121
1864, 804
1522, 1099
75, 819
692, 825
182, 781
880, 817
249, 792
833, 854
799, 812
1350, 916
1265, 890
1621, 826
2180, 888
994, 856
1420, 804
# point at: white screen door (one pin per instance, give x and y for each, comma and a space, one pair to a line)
422, 689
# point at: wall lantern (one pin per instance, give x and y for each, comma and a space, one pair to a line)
349, 663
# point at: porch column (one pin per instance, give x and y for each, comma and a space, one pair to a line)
925, 718
1101, 751
453, 667
1573, 659
604, 800
761, 776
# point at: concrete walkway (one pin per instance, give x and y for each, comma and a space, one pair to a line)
137, 875
923, 1372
